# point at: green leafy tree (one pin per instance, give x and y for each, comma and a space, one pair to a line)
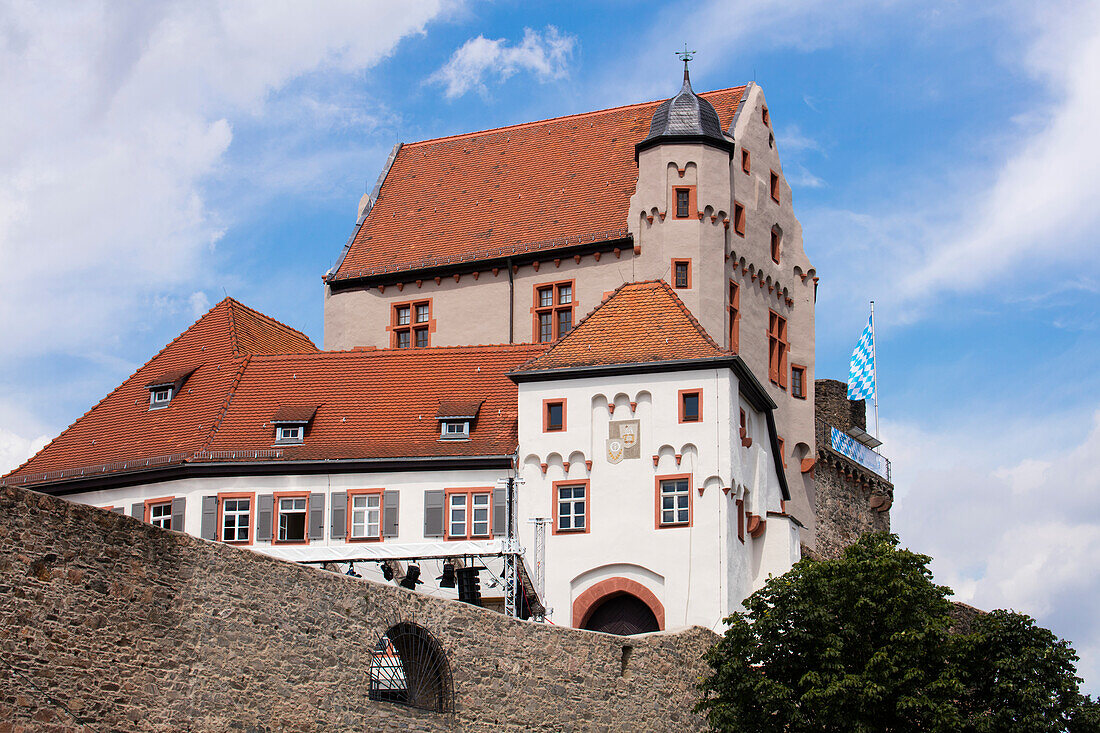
863, 644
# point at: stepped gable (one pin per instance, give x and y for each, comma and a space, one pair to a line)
531, 187
377, 404
208, 356
638, 323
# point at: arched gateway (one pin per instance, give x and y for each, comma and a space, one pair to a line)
618, 606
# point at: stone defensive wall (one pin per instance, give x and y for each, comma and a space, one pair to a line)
107, 623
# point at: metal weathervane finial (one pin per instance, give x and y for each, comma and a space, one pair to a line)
685, 56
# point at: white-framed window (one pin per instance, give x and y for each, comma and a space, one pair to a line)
366, 516
160, 515
160, 397
236, 519
571, 512
480, 504
455, 429
292, 519
675, 498
290, 433
456, 515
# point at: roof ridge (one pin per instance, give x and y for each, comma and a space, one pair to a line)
121, 384
263, 316
232, 326
577, 115
225, 405
389, 350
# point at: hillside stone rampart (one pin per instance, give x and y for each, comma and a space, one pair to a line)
107, 623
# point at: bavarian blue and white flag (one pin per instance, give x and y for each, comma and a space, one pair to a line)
861, 373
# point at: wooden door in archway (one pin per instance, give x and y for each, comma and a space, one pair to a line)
622, 614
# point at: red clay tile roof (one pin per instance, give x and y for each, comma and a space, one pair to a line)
363, 404
378, 404
513, 189
294, 413
168, 378
639, 322
122, 428
456, 407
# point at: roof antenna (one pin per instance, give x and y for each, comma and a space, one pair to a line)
223, 292
686, 56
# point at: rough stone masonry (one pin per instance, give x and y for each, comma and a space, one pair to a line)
107, 623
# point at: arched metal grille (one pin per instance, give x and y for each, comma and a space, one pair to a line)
410, 668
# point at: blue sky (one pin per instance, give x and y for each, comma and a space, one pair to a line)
943, 158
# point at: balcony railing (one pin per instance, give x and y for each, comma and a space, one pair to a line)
851, 448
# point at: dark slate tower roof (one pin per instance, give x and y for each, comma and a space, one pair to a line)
687, 117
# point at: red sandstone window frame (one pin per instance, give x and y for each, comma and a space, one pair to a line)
692, 211
739, 218
546, 427
275, 512
352, 493
800, 393
778, 349
414, 327
555, 505
150, 503
657, 482
746, 161
777, 243
734, 307
782, 451
681, 396
675, 279
773, 187
468, 493
251, 496
554, 310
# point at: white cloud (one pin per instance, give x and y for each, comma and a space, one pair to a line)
546, 56
15, 449
116, 116
1011, 517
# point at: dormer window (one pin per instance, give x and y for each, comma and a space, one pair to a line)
166, 386
290, 423
455, 430
290, 433
456, 416
160, 397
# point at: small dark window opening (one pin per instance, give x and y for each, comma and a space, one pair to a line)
683, 279
774, 187
739, 218
555, 416
746, 164
690, 403
798, 381
777, 241
682, 197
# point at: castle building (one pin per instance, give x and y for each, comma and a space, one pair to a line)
650, 397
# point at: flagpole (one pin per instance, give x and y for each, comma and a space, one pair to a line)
874, 361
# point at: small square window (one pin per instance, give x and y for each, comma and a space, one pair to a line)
571, 508
554, 418
290, 433
691, 405
422, 313
403, 340
546, 297
421, 338
160, 397
402, 315
565, 294
455, 429
675, 502
160, 515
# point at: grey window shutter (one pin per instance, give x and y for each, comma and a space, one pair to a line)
316, 516
339, 516
500, 511
118, 510
265, 504
209, 528
137, 511
179, 504
391, 505
433, 513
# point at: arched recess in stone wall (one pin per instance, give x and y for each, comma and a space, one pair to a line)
409, 667
590, 600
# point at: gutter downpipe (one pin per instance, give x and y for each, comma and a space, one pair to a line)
511, 304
